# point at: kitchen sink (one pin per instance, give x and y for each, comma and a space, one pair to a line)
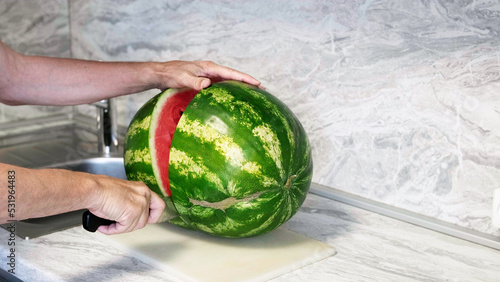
35, 227
107, 166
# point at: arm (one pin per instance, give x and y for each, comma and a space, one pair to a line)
47, 192
37, 80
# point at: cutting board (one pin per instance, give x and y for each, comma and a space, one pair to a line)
195, 256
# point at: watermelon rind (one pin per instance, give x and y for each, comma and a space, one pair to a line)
240, 162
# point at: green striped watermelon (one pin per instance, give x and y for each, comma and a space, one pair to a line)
232, 160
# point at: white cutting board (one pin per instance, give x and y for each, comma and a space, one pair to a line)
195, 256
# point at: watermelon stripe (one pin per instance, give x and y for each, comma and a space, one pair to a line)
139, 156
187, 167
241, 113
271, 103
224, 144
287, 120
139, 126
215, 143
245, 116
275, 216
271, 144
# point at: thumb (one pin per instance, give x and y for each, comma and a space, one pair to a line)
155, 208
202, 82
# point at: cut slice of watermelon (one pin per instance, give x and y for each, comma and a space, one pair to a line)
167, 114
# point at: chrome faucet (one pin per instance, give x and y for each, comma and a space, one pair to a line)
107, 132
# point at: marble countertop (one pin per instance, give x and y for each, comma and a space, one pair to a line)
370, 247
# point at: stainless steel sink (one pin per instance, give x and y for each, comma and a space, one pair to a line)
107, 166
35, 227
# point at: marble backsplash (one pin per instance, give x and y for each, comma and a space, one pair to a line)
34, 28
399, 98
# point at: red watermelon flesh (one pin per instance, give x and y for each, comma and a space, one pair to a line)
167, 122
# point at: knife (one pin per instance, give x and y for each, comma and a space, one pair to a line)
91, 221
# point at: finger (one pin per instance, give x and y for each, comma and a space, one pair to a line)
142, 220
122, 226
111, 229
105, 229
155, 208
201, 82
190, 80
232, 74
211, 69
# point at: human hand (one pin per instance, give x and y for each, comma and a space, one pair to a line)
131, 204
196, 74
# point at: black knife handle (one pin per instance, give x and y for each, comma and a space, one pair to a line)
91, 221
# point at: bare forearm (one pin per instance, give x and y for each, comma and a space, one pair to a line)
37, 193
55, 81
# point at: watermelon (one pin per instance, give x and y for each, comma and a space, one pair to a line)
231, 160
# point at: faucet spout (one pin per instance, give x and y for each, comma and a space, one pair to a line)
107, 133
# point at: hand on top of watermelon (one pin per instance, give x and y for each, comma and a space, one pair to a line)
38, 80
196, 75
